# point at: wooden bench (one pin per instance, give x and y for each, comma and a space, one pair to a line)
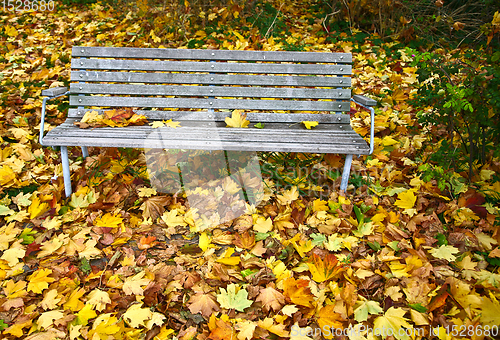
200, 88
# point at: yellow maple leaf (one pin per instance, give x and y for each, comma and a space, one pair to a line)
85, 314
15, 289
406, 200
309, 124
73, 303
36, 208
136, 316
320, 205
172, 124
132, 285
7, 176
10, 31
226, 258
39, 280
172, 220
204, 241
278, 329
288, 196
157, 124
46, 319
263, 225
245, 329
237, 120
490, 311
17, 328
394, 320
109, 221
91, 117
399, 269
50, 299
13, 254
103, 326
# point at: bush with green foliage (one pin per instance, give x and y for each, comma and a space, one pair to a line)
459, 106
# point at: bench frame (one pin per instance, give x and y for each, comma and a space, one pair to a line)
364, 102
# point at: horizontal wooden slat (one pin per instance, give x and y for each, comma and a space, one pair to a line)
213, 67
202, 131
253, 117
212, 91
196, 54
195, 103
210, 139
209, 79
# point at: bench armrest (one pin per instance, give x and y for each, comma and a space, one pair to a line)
367, 103
363, 100
50, 94
54, 92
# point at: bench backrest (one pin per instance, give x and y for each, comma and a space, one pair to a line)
222, 80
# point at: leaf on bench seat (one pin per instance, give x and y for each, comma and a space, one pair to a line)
237, 119
113, 118
169, 123
309, 124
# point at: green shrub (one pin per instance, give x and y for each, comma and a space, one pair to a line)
459, 106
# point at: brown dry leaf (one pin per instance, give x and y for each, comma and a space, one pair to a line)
203, 303
271, 299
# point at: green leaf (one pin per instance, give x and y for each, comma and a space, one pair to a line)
85, 266
364, 229
394, 245
248, 272
441, 239
261, 236
365, 308
359, 214
259, 125
27, 236
375, 246
418, 307
3, 325
234, 298
318, 239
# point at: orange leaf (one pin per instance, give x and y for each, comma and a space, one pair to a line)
440, 299
298, 292
245, 240
324, 270
146, 242
223, 331
328, 319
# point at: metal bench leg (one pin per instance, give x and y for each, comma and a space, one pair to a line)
85, 152
66, 173
346, 172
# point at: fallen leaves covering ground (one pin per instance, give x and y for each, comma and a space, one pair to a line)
118, 260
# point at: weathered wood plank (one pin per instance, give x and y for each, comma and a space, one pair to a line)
209, 79
233, 104
212, 67
208, 145
212, 91
210, 133
254, 117
196, 54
